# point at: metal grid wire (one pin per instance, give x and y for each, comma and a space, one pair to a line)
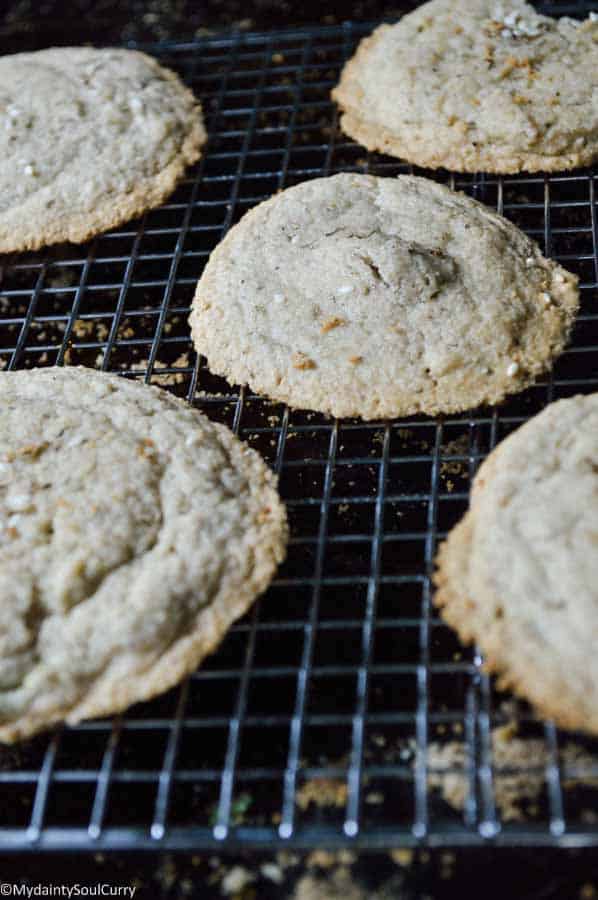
342, 686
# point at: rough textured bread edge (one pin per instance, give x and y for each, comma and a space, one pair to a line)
548, 344
148, 194
495, 160
483, 623
114, 691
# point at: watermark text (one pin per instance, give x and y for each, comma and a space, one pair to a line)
99, 889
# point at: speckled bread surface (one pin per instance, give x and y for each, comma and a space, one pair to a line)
518, 574
133, 532
88, 140
380, 297
476, 85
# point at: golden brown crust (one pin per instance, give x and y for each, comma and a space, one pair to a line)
216, 571
492, 160
456, 607
469, 603
388, 357
113, 210
447, 101
110, 695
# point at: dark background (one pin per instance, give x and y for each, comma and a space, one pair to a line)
542, 875
30, 25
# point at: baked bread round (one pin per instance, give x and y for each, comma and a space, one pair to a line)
133, 533
88, 139
476, 86
380, 297
518, 573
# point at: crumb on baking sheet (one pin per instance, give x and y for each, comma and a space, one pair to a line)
520, 766
322, 792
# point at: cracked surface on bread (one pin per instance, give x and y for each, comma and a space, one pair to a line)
89, 139
518, 573
133, 533
476, 85
438, 303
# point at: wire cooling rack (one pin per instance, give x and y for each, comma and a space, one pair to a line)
340, 711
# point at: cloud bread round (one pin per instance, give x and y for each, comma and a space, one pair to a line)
380, 297
518, 574
133, 532
476, 85
88, 139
